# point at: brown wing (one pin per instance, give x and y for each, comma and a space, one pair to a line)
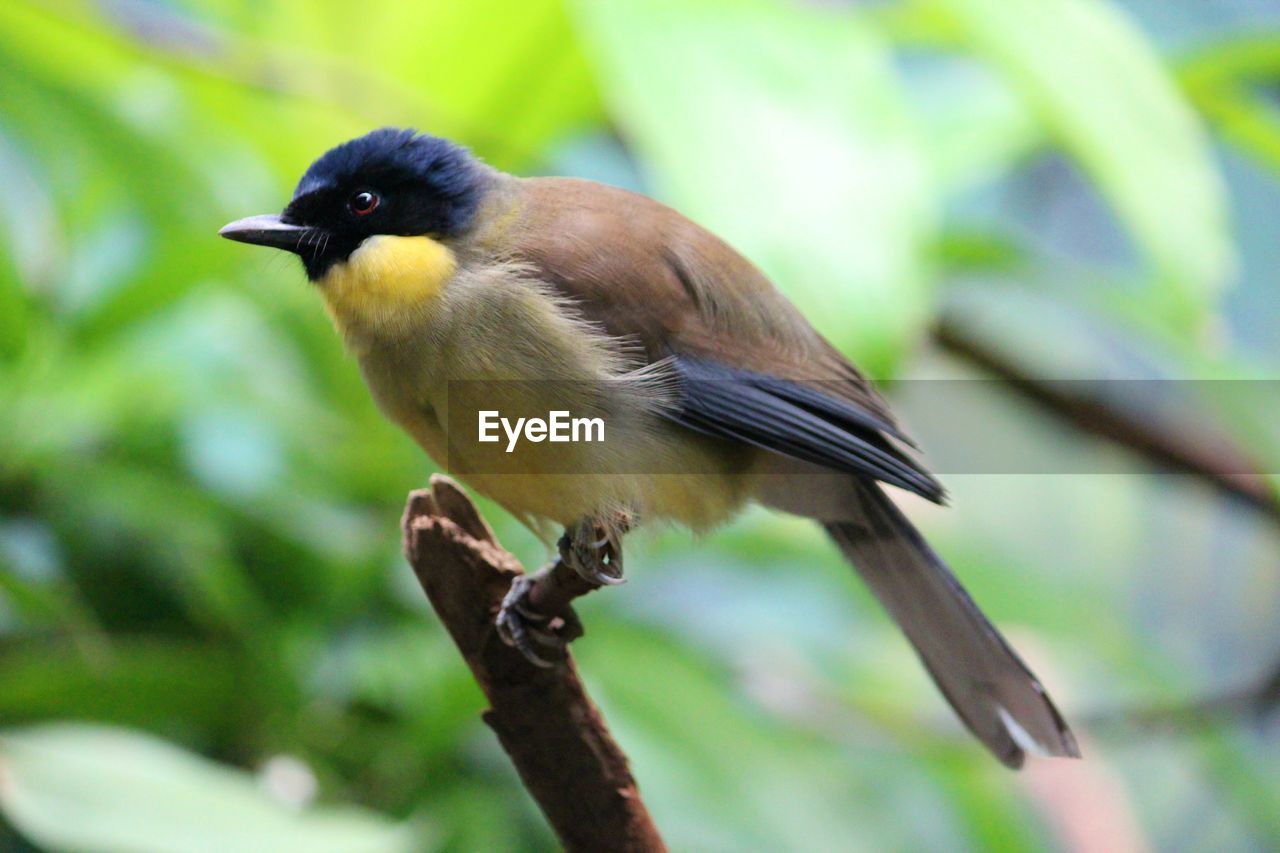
754, 369
645, 271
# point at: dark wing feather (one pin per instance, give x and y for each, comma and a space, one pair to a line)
795, 420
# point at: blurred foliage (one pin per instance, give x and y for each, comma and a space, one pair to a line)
86, 788
198, 502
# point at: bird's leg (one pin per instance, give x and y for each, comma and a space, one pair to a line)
536, 609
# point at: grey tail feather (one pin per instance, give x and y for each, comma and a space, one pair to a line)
987, 684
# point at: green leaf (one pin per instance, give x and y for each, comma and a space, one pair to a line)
1224, 80
978, 128
783, 129
101, 789
124, 681
1100, 87
504, 76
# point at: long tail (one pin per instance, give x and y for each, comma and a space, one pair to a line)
989, 686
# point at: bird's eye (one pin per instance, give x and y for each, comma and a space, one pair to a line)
363, 203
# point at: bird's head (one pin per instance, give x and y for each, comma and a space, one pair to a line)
389, 182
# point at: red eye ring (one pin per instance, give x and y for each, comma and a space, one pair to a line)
363, 203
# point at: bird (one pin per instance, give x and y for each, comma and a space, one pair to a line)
462, 290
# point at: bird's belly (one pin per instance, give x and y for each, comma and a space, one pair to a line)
654, 471
619, 456
697, 501
492, 346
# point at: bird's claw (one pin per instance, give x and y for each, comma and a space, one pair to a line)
523, 628
516, 621
596, 558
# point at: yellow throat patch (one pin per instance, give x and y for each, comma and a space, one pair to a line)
386, 283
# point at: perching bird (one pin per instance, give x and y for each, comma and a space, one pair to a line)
462, 289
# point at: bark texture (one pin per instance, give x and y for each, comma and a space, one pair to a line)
552, 731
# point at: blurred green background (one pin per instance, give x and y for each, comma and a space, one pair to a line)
208, 638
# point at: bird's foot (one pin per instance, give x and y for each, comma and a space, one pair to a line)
523, 628
594, 552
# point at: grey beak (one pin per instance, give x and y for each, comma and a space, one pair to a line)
267, 230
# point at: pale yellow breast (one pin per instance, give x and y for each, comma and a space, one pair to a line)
438, 344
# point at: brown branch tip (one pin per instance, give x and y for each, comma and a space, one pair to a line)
546, 723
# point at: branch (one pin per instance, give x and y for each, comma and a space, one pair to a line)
1214, 458
1255, 701
553, 733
